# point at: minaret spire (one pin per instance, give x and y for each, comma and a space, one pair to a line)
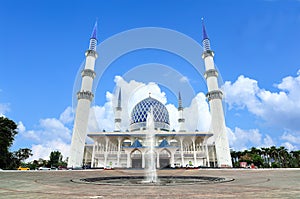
119, 99
205, 41
181, 120
179, 101
118, 113
94, 33
93, 39
204, 30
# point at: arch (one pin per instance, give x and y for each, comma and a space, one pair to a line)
164, 158
136, 158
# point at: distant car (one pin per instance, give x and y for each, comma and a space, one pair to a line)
108, 168
54, 168
23, 168
62, 168
44, 168
189, 166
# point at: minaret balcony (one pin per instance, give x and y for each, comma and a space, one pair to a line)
181, 120
85, 95
91, 53
216, 94
208, 53
211, 73
118, 120
88, 72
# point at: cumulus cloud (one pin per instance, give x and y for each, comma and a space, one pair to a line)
241, 139
49, 135
67, 116
197, 115
43, 150
291, 140
21, 127
280, 109
289, 146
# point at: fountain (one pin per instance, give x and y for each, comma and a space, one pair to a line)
150, 170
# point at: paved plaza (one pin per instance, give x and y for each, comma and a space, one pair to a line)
247, 183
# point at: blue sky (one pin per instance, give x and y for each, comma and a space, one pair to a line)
256, 45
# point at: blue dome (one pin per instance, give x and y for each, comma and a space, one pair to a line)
140, 112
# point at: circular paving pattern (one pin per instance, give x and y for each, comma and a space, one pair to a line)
162, 181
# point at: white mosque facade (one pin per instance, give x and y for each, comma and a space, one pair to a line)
128, 149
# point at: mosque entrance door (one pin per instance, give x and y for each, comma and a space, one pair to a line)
164, 159
136, 159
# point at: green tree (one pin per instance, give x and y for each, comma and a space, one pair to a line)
295, 158
8, 129
55, 159
23, 154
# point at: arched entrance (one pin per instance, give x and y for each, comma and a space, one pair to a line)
164, 159
136, 159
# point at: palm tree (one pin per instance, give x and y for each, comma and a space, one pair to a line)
283, 155
295, 158
233, 157
274, 155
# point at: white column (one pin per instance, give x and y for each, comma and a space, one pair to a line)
93, 155
128, 159
214, 158
119, 151
181, 149
106, 151
172, 159
143, 159
194, 150
157, 160
207, 155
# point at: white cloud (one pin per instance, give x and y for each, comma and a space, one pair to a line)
289, 146
197, 115
49, 135
240, 139
290, 138
268, 141
21, 127
52, 127
280, 109
67, 116
43, 150
173, 117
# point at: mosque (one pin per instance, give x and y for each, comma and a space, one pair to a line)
128, 149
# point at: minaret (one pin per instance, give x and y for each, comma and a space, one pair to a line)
118, 114
181, 120
214, 97
84, 96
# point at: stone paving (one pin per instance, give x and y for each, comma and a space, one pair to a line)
248, 183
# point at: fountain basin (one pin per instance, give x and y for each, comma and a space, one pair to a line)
162, 180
